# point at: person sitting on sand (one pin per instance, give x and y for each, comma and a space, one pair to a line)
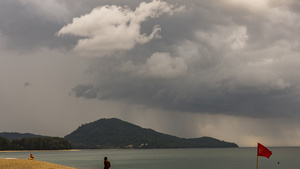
106, 163
31, 157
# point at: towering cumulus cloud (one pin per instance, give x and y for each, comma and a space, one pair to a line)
220, 61
114, 29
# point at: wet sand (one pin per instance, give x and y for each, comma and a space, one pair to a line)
28, 164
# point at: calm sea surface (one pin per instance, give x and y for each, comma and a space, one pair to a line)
226, 158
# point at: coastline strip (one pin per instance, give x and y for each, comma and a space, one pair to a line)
11, 151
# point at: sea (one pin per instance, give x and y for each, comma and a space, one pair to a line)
200, 158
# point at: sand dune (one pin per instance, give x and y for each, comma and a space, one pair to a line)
28, 164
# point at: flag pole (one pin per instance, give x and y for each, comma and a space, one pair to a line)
257, 162
257, 156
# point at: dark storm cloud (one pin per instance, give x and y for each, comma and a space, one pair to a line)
214, 57
28, 25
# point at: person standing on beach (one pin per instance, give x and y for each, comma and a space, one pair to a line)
106, 163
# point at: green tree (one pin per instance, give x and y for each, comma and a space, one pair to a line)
4, 144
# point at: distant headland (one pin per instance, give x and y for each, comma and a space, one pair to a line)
115, 133
107, 134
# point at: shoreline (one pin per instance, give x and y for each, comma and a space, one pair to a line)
29, 164
11, 151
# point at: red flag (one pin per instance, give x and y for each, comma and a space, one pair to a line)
263, 151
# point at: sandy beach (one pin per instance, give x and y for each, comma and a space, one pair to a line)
29, 164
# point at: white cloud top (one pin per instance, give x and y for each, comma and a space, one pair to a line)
109, 30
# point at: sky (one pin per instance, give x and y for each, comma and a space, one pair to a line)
226, 69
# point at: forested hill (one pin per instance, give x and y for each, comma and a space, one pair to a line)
27, 141
115, 133
14, 135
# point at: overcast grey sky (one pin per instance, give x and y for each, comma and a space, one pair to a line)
225, 68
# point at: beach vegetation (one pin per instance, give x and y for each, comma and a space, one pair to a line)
35, 143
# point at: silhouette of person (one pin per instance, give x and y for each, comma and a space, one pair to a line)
106, 163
